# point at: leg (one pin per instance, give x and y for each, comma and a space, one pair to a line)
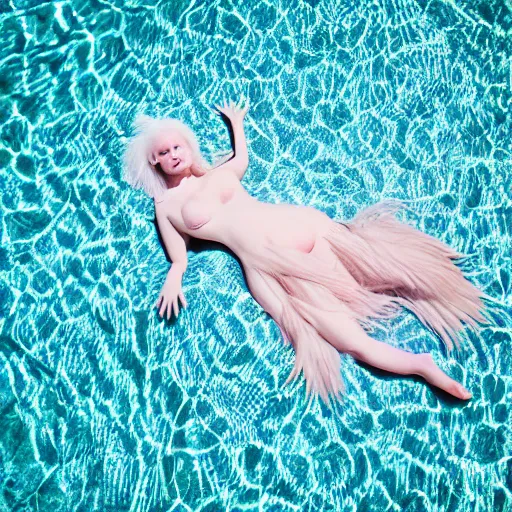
317, 358
387, 256
346, 335
263, 294
265, 297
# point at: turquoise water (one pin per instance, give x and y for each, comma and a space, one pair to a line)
104, 406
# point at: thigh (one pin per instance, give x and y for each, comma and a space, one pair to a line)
267, 293
313, 293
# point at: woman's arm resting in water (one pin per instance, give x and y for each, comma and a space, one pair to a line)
238, 164
176, 245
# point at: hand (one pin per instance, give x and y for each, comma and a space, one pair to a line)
233, 112
171, 292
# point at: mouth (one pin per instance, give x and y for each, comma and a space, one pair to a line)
176, 164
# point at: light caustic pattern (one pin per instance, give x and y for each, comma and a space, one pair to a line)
104, 406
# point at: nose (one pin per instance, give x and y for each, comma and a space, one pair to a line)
174, 154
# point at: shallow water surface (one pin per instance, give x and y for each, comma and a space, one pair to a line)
104, 406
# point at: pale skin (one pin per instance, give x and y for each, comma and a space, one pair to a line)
239, 221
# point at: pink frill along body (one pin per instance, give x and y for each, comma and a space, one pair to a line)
380, 264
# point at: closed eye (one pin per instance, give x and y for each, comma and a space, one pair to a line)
166, 151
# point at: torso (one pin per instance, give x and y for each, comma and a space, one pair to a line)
217, 207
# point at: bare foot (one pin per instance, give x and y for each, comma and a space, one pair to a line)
435, 376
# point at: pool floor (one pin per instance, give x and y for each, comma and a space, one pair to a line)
106, 407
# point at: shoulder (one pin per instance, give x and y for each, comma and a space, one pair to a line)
236, 166
228, 168
158, 200
160, 208
161, 201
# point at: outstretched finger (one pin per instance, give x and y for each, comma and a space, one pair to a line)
183, 300
169, 310
175, 307
162, 308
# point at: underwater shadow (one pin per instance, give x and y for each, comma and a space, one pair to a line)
195, 246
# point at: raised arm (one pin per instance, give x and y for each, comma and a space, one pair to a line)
176, 245
238, 164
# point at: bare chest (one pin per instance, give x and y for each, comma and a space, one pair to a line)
196, 201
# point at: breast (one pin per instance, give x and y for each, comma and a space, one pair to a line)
197, 212
217, 190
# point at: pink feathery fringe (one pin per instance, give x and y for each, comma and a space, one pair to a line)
317, 358
385, 264
390, 257
297, 276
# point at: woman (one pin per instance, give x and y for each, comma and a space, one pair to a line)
318, 279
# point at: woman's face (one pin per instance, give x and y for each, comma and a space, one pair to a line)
172, 152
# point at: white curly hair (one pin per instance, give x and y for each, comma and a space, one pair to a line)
138, 170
